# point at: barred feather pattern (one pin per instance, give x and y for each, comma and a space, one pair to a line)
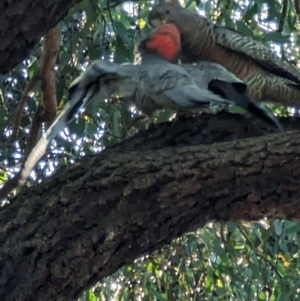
268, 77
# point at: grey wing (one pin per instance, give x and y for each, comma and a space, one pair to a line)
81, 91
190, 96
256, 51
125, 82
92, 79
171, 86
212, 71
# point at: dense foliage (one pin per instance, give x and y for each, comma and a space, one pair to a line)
258, 261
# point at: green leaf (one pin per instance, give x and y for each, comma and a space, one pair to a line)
121, 54
276, 37
207, 7
293, 229
278, 227
250, 13
90, 296
163, 116
259, 4
150, 267
121, 31
60, 90
209, 283
261, 296
93, 50
228, 21
188, 4
32, 70
274, 10
291, 19
244, 29
159, 296
78, 126
91, 12
3, 176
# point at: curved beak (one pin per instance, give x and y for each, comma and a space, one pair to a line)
156, 23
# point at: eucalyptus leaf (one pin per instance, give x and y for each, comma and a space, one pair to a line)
276, 37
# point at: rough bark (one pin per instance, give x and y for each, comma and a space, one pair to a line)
23, 23
87, 221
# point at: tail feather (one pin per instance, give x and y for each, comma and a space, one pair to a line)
264, 115
40, 149
238, 94
80, 93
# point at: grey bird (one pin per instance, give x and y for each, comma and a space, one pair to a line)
153, 83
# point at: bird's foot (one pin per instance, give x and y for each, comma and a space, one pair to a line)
189, 113
136, 121
218, 108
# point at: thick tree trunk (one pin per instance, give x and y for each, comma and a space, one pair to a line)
22, 25
87, 221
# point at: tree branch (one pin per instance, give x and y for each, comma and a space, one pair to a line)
24, 23
46, 112
87, 221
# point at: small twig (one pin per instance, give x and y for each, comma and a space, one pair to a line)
115, 4
297, 7
283, 15
111, 18
281, 23
21, 105
175, 2
33, 133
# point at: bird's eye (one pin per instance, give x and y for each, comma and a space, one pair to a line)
167, 12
